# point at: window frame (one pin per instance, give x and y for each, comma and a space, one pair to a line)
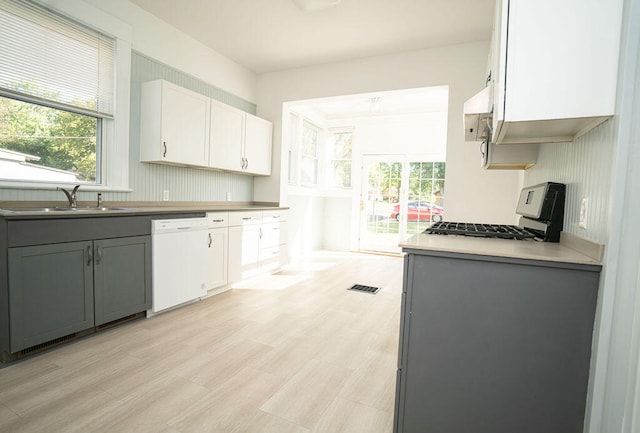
306, 123
330, 159
294, 147
114, 153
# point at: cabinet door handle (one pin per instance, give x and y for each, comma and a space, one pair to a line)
210, 240
164, 145
98, 255
260, 232
246, 218
218, 221
246, 165
89, 255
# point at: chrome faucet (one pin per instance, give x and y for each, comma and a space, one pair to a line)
71, 196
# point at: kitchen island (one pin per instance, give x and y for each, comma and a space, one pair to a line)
495, 336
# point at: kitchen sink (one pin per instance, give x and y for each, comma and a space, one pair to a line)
67, 209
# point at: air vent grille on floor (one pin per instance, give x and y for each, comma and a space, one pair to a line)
365, 289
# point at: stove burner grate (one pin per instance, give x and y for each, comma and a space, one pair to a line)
480, 230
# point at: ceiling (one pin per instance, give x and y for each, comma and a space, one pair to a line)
272, 35
389, 103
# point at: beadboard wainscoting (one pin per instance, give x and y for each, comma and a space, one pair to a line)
585, 166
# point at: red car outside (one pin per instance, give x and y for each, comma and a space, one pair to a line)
420, 210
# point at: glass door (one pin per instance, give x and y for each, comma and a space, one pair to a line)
400, 196
380, 194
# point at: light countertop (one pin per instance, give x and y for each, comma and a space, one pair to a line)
508, 248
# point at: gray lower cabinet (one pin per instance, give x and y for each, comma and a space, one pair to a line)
494, 345
58, 289
51, 292
122, 277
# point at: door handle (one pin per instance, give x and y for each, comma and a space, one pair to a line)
89, 255
98, 255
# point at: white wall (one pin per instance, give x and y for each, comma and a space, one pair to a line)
406, 134
461, 67
165, 43
304, 222
614, 394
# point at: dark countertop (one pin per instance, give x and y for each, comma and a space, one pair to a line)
49, 210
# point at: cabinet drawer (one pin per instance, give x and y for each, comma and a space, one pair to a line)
270, 235
274, 215
269, 259
217, 219
245, 218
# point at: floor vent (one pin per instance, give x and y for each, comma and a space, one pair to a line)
45, 346
120, 321
365, 289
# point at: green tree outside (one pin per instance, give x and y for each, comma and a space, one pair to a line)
62, 140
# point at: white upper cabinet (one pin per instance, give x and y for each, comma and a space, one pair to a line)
554, 68
239, 141
257, 145
226, 137
181, 127
174, 125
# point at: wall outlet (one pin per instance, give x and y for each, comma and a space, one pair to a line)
229, 196
165, 195
584, 212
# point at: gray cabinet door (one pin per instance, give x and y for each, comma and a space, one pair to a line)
122, 277
494, 347
50, 292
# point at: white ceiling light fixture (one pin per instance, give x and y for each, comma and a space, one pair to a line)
315, 5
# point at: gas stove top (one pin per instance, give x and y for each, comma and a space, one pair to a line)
541, 210
480, 230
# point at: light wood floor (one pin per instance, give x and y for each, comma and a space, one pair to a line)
289, 353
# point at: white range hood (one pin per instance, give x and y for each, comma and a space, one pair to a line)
478, 116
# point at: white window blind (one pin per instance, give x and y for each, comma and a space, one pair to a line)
51, 60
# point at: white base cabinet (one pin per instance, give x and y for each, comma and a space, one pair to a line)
257, 243
217, 249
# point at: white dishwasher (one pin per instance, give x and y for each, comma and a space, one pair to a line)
179, 252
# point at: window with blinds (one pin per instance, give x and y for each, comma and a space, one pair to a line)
56, 94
